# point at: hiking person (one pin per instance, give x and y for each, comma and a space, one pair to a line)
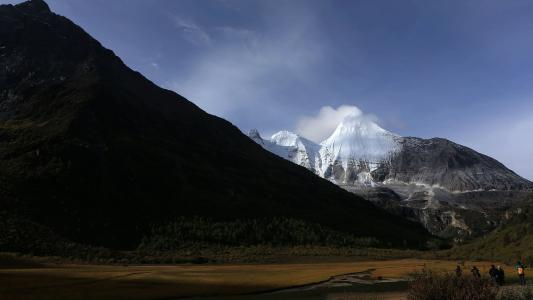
493, 273
475, 272
458, 271
521, 273
501, 276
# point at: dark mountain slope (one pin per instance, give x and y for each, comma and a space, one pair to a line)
99, 154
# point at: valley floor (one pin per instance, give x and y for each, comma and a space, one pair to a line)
327, 280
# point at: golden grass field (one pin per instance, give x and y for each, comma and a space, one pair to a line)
178, 281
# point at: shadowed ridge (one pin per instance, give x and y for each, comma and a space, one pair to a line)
34, 7
99, 154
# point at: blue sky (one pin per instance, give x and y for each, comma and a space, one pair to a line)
461, 70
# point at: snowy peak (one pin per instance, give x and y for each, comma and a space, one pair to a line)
302, 151
357, 138
360, 152
357, 127
291, 139
254, 135
290, 146
357, 147
286, 138
421, 178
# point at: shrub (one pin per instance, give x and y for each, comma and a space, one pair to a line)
429, 285
516, 293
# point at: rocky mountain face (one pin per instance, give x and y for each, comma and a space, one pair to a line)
98, 154
442, 163
451, 189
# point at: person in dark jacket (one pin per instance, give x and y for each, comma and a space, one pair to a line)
501, 276
475, 272
458, 271
493, 273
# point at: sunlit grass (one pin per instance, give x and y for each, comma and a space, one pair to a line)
149, 282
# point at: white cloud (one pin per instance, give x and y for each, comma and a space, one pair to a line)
319, 127
192, 32
244, 70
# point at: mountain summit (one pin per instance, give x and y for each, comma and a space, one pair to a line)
98, 154
359, 148
35, 7
433, 177
356, 144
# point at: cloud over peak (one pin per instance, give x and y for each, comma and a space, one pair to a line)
320, 126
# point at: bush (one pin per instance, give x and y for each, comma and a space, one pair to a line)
429, 285
516, 293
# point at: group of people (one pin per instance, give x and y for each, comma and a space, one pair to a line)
496, 274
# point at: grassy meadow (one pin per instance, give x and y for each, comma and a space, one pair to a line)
74, 281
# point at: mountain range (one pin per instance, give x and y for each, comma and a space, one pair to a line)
440, 183
95, 153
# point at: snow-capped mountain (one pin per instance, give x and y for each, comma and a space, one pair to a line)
357, 147
305, 152
437, 180
270, 146
359, 151
290, 146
